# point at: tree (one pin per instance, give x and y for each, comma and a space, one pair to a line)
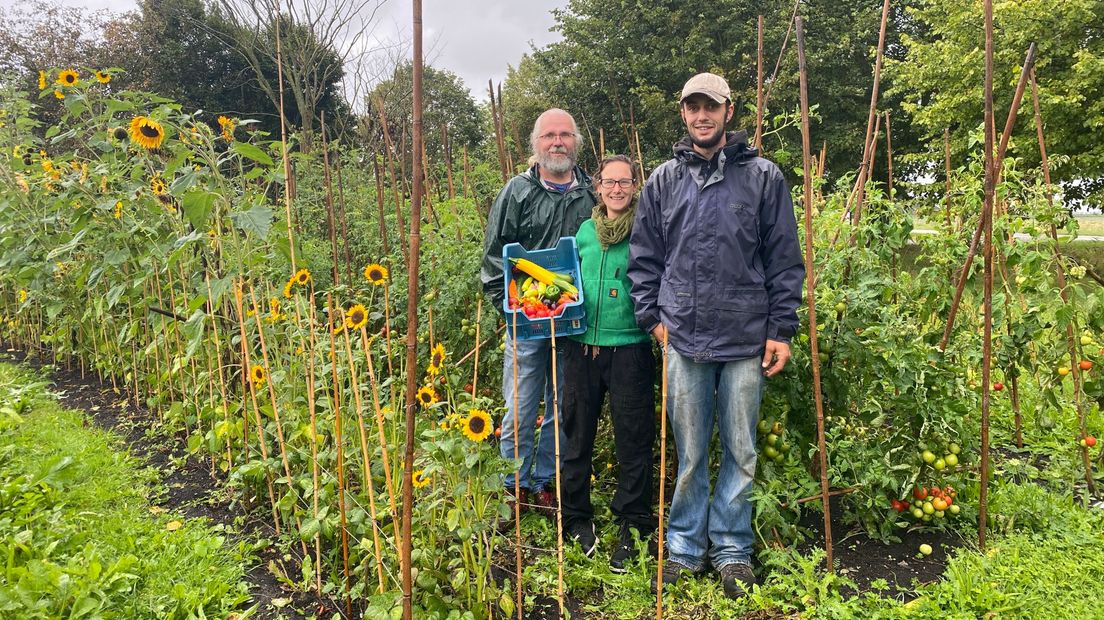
316, 40
940, 81
446, 100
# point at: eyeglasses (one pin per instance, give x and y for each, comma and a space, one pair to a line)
563, 136
623, 183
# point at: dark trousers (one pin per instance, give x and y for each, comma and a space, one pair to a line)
627, 373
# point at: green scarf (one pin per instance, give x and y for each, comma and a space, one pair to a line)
612, 231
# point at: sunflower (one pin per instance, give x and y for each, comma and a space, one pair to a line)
120, 133
258, 375
59, 94
376, 274
68, 77
477, 426
102, 77
157, 186
119, 209
287, 288
419, 479
427, 395
356, 317
337, 325
41, 80
227, 125
436, 359
302, 277
146, 132
22, 295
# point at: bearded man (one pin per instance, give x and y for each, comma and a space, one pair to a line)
548, 201
716, 274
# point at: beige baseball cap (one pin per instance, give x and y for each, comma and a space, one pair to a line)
709, 84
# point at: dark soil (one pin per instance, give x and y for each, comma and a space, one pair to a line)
190, 487
864, 560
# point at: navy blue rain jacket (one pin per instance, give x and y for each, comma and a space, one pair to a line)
714, 253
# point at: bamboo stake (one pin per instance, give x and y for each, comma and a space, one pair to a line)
662, 477
446, 149
947, 178
388, 149
412, 318
312, 409
810, 288
781, 54
601, 142
344, 221
374, 382
498, 133
556, 445
340, 458
759, 87
987, 298
379, 204
247, 370
475, 364
329, 203
467, 178
366, 468
517, 472
276, 414
1063, 291
283, 145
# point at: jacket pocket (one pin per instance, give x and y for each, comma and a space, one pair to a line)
674, 295
750, 300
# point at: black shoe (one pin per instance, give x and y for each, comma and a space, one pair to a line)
672, 572
583, 533
737, 579
626, 548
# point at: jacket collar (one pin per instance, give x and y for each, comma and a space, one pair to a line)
736, 147
582, 180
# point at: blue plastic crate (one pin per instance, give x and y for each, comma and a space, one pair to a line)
563, 258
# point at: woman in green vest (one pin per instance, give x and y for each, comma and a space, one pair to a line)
613, 356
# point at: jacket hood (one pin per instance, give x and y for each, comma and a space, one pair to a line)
736, 147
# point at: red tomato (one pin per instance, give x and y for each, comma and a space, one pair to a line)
998, 386
920, 493
1090, 441
1086, 365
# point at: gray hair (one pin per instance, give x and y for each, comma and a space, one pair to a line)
533, 135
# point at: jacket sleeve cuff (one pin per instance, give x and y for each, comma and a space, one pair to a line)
780, 333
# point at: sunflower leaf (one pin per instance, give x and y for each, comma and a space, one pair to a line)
197, 207
253, 152
257, 220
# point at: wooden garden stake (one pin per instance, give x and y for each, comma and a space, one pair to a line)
871, 133
311, 408
987, 296
283, 147
373, 381
367, 464
467, 179
475, 364
344, 220
781, 55
998, 162
221, 375
662, 476
247, 370
388, 148
446, 148
498, 129
328, 186
379, 205
556, 444
1071, 339
517, 471
340, 454
810, 288
412, 259
947, 178
276, 413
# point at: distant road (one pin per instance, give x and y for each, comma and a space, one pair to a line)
1026, 237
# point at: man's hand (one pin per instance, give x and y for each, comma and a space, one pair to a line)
660, 333
775, 357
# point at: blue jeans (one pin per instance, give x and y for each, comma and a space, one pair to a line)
698, 393
534, 381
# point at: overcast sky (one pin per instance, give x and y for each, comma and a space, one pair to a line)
476, 39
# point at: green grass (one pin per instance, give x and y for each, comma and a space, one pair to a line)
77, 535
1090, 225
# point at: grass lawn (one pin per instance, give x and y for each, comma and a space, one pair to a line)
78, 535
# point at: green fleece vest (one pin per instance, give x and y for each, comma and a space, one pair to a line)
606, 299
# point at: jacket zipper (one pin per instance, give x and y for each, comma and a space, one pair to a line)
598, 307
